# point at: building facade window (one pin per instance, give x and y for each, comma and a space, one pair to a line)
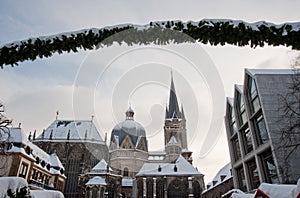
23, 170
231, 118
247, 140
241, 179
125, 172
269, 168
253, 174
236, 147
253, 96
261, 130
242, 111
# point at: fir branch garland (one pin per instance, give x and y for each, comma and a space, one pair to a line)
214, 32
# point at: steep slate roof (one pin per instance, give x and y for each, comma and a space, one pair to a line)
184, 168
173, 110
72, 130
223, 175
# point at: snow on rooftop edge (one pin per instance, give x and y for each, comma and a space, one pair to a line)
254, 72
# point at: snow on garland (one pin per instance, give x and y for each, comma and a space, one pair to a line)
212, 31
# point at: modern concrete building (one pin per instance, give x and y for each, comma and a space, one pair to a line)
255, 119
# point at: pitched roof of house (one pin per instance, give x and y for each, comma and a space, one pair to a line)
184, 168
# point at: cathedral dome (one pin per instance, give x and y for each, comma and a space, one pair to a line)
134, 130
130, 127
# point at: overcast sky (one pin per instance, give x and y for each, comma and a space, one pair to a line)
104, 82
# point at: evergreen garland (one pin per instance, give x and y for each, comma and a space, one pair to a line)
214, 32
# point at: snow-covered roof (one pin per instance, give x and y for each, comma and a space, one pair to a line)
244, 195
20, 144
223, 175
46, 194
100, 167
276, 190
184, 168
97, 180
173, 140
254, 72
55, 162
71, 130
127, 182
18, 136
186, 150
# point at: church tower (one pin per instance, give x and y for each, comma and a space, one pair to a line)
175, 129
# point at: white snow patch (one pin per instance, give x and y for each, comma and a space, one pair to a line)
13, 183
46, 194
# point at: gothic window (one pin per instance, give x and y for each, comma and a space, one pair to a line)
149, 188
94, 192
160, 188
140, 188
125, 172
196, 189
178, 189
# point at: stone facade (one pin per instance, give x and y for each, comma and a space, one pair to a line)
79, 146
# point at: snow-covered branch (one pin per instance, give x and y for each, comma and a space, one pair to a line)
212, 31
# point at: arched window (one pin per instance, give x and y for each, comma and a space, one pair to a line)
125, 172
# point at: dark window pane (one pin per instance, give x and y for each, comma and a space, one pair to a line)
253, 174
247, 140
243, 117
241, 179
262, 131
236, 148
253, 91
255, 105
270, 168
233, 129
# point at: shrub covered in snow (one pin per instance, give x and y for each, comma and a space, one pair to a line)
14, 187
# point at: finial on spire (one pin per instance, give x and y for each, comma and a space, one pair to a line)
57, 113
92, 118
129, 113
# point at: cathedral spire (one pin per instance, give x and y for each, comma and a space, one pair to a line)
173, 110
